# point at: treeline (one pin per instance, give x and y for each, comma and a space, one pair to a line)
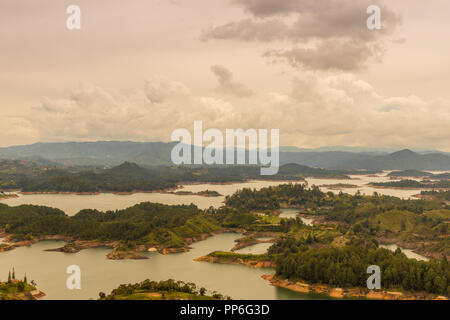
418, 173
442, 184
346, 267
438, 195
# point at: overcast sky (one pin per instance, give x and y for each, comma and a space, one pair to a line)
137, 70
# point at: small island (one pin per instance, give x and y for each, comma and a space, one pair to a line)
205, 193
339, 186
413, 184
249, 260
4, 196
15, 289
162, 290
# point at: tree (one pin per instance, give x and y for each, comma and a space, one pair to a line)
25, 278
13, 274
9, 276
202, 291
102, 295
403, 225
20, 286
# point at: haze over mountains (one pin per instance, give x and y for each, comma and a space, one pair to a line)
111, 153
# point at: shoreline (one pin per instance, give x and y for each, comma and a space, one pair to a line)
353, 292
407, 188
4, 196
162, 191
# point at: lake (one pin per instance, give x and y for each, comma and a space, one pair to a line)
409, 253
100, 274
292, 214
48, 269
71, 203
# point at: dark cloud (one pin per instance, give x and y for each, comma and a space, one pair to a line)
312, 26
248, 30
227, 84
329, 55
265, 8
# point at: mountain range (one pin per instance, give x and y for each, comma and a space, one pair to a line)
113, 153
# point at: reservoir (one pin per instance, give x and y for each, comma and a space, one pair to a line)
98, 273
72, 203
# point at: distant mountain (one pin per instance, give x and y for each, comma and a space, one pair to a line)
148, 154
100, 153
354, 150
326, 159
404, 160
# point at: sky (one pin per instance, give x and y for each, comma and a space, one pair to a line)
140, 69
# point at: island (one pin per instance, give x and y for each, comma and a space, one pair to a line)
162, 290
413, 184
4, 196
339, 186
249, 260
15, 289
205, 193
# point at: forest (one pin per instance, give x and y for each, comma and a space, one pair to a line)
346, 267
271, 198
145, 223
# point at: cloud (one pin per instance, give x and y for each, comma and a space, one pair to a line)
227, 85
347, 55
312, 27
158, 89
248, 30
316, 111
149, 113
342, 110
